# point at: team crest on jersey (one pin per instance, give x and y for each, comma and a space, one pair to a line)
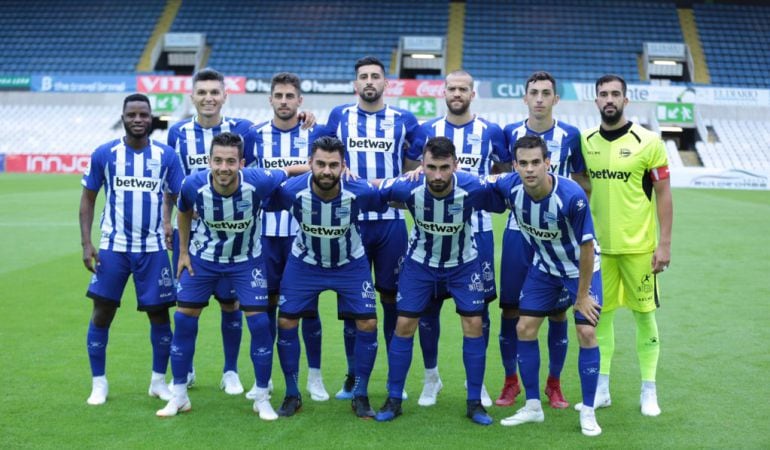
387, 124
474, 139
549, 217
342, 212
242, 205
300, 142
153, 164
257, 279
455, 209
580, 204
624, 152
165, 279
476, 285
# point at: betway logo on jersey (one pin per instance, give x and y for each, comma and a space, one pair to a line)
198, 161
606, 174
323, 231
442, 229
469, 162
546, 235
123, 183
280, 163
229, 225
370, 144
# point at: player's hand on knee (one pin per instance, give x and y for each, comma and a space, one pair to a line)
588, 307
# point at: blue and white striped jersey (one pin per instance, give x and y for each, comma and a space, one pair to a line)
134, 183
563, 142
192, 142
275, 149
554, 226
442, 236
374, 143
228, 227
328, 230
478, 143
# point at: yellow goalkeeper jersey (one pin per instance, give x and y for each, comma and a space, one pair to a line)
622, 200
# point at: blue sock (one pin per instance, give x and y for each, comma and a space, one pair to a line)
261, 349
349, 336
232, 330
529, 368
508, 340
389, 318
399, 360
558, 342
430, 331
588, 366
183, 346
160, 338
311, 335
485, 325
272, 317
96, 344
288, 355
366, 352
474, 359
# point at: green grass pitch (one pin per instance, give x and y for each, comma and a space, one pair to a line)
712, 378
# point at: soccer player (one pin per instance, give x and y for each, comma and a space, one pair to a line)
563, 142
224, 244
442, 256
281, 142
191, 138
627, 164
327, 254
480, 147
553, 213
141, 179
375, 135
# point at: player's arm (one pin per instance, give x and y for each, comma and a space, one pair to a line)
169, 200
501, 167
184, 221
584, 303
87, 205
298, 169
582, 179
661, 257
410, 165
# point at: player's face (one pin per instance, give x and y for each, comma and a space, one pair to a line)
370, 83
208, 97
285, 101
459, 93
137, 119
225, 164
438, 173
327, 168
540, 99
611, 101
531, 166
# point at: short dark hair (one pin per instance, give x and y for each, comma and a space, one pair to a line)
136, 98
440, 147
328, 144
530, 141
227, 139
608, 78
285, 78
208, 74
540, 76
368, 61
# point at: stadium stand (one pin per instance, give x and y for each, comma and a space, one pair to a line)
562, 37
79, 37
736, 42
312, 39
741, 144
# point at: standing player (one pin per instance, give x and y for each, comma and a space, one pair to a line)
138, 176
553, 213
480, 146
327, 254
192, 140
224, 244
442, 256
627, 164
282, 143
563, 143
375, 135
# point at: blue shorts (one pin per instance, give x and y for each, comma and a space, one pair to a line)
303, 282
514, 264
485, 245
247, 278
542, 294
275, 252
224, 292
153, 279
385, 244
418, 284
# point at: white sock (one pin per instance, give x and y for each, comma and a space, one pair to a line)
534, 404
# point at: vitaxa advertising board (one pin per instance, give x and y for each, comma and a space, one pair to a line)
171, 84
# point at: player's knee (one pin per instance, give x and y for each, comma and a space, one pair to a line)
103, 314
527, 328
406, 326
159, 317
510, 314
230, 307
285, 323
368, 325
